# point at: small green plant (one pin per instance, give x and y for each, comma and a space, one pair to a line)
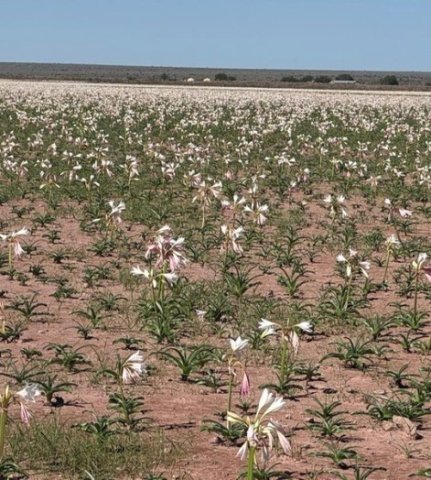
353, 353
187, 359
338, 453
50, 387
128, 409
328, 420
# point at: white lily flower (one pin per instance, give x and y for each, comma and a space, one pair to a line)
29, 392
261, 432
138, 271
238, 344
419, 262
405, 213
264, 324
133, 368
392, 241
305, 326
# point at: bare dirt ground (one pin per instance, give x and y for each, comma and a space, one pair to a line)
180, 407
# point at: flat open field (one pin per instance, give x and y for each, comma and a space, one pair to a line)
236, 77
145, 229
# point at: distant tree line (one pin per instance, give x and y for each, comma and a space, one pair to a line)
224, 77
319, 79
389, 80
342, 77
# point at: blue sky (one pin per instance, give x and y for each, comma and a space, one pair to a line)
296, 34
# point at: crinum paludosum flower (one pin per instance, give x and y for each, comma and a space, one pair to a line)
403, 212
352, 262
156, 280
262, 431
336, 206
232, 236
117, 209
133, 368
287, 332
418, 266
23, 396
392, 244
235, 360
168, 250
113, 217
258, 213
14, 245
420, 261
205, 194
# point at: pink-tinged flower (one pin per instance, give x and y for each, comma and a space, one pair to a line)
294, 341
17, 250
25, 414
244, 390
233, 235
262, 432
27, 394
258, 213
168, 250
133, 368
353, 261
207, 192
233, 205
13, 240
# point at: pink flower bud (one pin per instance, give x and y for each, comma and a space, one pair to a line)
245, 386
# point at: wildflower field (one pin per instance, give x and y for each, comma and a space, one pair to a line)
213, 283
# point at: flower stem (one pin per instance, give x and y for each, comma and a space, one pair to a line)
203, 215
250, 463
386, 267
283, 360
3, 418
415, 306
229, 397
10, 256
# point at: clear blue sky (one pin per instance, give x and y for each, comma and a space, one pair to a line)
297, 34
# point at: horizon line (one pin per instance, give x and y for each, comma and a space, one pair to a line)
125, 65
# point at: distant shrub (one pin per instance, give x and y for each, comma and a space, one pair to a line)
164, 76
307, 78
345, 77
323, 79
290, 79
224, 77
293, 79
221, 77
389, 80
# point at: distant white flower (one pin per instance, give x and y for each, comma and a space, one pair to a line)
305, 326
13, 241
421, 259
238, 344
405, 213
116, 210
392, 241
